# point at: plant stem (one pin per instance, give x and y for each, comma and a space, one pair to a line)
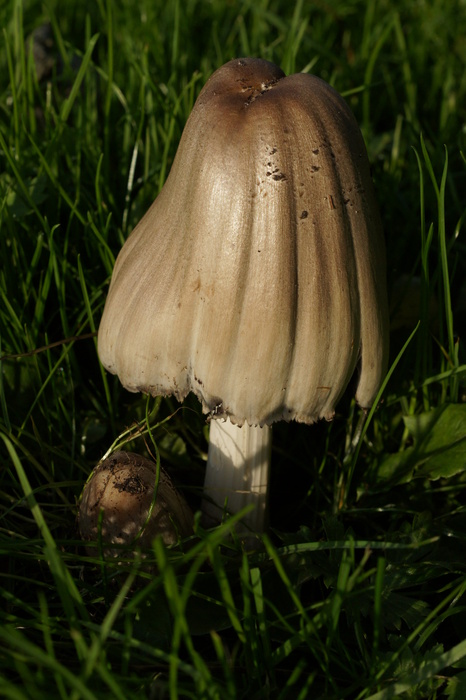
237, 474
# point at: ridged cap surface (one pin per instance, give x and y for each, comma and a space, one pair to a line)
256, 279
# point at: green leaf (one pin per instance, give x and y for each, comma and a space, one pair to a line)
419, 670
20, 205
173, 444
400, 608
456, 687
439, 448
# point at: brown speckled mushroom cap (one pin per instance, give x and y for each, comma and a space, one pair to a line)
256, 279
119, 506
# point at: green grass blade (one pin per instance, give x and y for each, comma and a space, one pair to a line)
374, 408
13, 639
69, 594
69, 102
428, 670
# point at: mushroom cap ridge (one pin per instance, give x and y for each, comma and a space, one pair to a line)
256, 279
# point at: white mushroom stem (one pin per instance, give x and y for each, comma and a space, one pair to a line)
237, 474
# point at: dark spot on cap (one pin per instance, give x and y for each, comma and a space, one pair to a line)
133, 484
304, 215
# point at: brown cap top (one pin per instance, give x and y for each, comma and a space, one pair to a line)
257, 277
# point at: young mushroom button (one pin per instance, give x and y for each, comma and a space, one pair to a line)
256, 279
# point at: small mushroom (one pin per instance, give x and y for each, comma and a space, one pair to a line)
256, 279
118, 505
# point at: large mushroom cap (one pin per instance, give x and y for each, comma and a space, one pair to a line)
256, 279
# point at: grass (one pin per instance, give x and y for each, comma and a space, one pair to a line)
359, 590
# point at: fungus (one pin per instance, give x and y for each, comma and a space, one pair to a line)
118, 504
256, 280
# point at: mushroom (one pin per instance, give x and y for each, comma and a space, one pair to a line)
118, 504
256, 280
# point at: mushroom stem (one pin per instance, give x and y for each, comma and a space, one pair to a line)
237, 474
